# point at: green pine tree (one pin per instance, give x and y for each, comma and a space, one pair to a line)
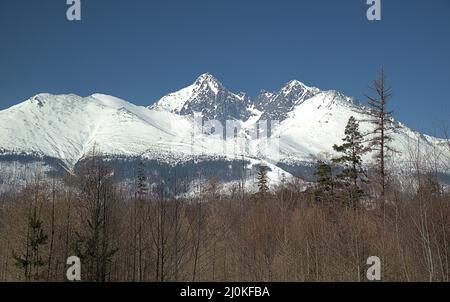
351, 152
31, 261
142, 188
324, 190
263, 188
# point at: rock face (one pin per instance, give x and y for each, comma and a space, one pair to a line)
208, 97
276, 106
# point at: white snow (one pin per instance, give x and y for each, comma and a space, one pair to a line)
175, 101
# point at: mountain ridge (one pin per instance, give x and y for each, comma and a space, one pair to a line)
66, 127
274, 105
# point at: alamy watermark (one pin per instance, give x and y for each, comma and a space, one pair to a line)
374, 10
74, 10
235, 139
73, 273
374, 271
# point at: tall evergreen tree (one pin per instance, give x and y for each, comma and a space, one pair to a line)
324, 191
381, 136
263, 187
142, 188
31, 261
351, 152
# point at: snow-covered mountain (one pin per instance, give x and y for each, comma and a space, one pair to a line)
311, 120
210, 98
49, 131
276, 106
67, 127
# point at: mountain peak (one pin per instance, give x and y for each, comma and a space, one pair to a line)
207, 96
206, 77
296, 86
294, 83
208, 82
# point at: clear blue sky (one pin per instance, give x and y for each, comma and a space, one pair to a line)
142, 49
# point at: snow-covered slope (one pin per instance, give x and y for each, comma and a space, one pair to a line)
68, 126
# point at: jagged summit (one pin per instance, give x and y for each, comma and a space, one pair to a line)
207, 77
209, 97
296, 85
207, 82
277, 105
